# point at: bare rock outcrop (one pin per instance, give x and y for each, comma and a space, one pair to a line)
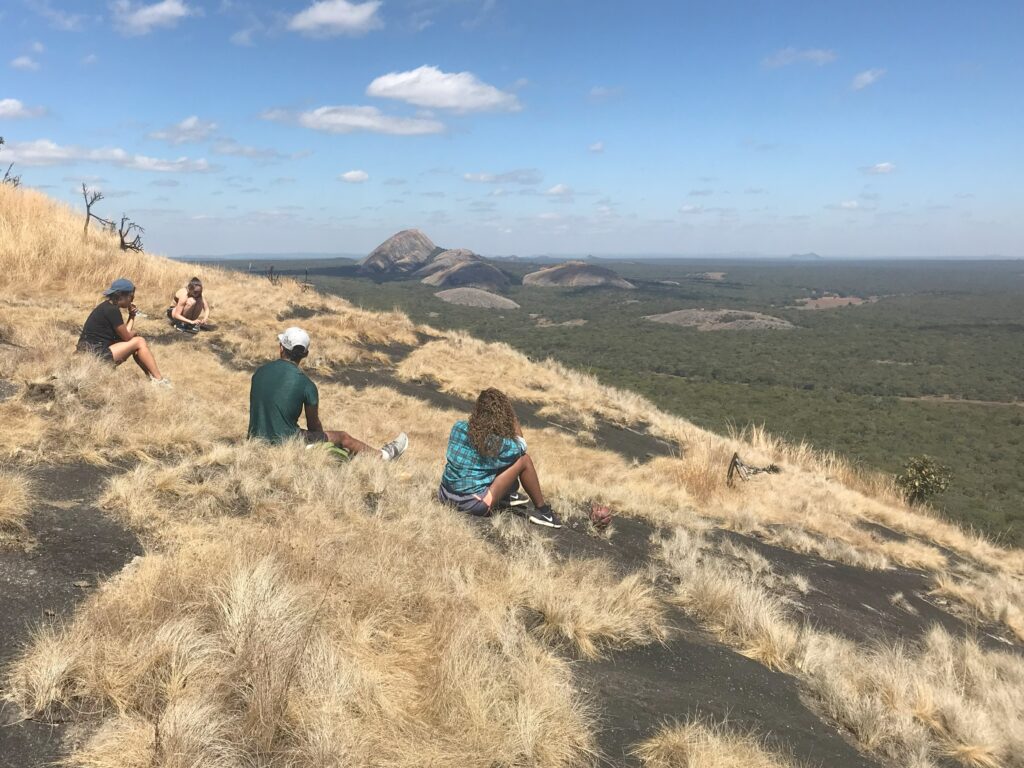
453, 269
475, 297
576, 274
400, 254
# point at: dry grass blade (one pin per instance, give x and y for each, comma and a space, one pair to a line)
702, 744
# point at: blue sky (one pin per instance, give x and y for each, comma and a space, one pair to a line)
528, 126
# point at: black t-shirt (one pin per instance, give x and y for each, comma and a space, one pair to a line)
99, 329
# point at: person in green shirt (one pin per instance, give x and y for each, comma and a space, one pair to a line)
280, 392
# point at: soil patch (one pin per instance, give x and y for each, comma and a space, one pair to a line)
76, 546
638, 690
859, 604
722, 320
543, 322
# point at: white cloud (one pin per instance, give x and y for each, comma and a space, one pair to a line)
243, 37
429, 87
519, 176
597, 147
337, 17
701, 192
89, 60
560, 190
692, 209
850, 206
866, 78
68, 22
188, 131
46, 152
12, 109
25, 63
349, 119
37, 47
132, 19
230, 148
783, 58
880, 168
548, 216
354, 177
604, 92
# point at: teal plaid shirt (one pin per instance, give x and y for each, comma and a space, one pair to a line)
466, 471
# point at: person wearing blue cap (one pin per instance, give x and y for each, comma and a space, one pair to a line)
107, 335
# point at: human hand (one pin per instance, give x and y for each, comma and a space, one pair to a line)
132, 311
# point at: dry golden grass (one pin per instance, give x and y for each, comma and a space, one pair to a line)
702, 744
996, 597
296, 612
908, 703
15, 495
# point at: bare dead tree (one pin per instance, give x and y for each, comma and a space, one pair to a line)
91, 197
9, 178
272, 276
126, 230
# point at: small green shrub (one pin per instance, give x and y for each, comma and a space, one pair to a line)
922, 478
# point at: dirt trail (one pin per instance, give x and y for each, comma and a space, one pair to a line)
76, 547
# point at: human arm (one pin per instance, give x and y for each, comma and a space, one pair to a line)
125, 330
313, 418
204, 314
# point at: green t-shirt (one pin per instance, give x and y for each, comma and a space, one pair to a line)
279, 391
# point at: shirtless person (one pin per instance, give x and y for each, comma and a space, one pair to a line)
191, 311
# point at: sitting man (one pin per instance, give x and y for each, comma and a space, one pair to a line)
190, 312
280, 391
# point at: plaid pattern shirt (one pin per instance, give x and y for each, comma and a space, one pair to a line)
466, 471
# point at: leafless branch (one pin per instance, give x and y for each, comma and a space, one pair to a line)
92, 196
125, 231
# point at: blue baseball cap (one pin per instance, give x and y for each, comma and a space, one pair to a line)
122, 284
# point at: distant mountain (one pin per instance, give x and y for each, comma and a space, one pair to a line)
475, 297
576, 274
451, 269
811, 256
400, 254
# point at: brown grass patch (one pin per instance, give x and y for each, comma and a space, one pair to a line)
15, 493
702, 744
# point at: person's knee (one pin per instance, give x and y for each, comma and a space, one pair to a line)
140, 342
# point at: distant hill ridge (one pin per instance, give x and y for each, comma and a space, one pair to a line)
411, 253
576, 274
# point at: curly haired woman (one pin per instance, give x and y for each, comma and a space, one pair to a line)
486, 460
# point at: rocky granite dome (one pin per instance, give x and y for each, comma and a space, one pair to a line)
576, 274
401, 253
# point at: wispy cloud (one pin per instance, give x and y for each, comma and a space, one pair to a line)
330, 18
37, 47
786, 56
429, 87
561, 191
133, 19
526, 176
25, 63
701, 192
228, 147
45, 152
850, 206
599, 93
67, 22
879, 168
866, 78
597, 147
692, 209
89, 59
189, 131
13, 109
353, 119
354, 177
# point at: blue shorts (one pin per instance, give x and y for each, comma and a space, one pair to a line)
471, 503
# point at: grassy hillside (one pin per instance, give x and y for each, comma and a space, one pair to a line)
293, 611
868, 382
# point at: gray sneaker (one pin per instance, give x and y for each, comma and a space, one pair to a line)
395, 448
163, 383
545, 516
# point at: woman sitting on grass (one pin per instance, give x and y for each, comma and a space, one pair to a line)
106, 334
486, 460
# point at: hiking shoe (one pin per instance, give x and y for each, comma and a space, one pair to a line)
544, 516
513, 501
395, 448
163, 383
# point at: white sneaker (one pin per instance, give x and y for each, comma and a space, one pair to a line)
163, 383
395, 448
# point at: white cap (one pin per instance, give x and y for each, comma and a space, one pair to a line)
294, 337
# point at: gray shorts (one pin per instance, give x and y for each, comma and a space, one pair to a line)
471, 503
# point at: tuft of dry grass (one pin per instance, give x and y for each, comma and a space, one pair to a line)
15, 493
703, 744
996, 597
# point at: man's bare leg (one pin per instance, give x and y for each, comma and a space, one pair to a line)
349, 443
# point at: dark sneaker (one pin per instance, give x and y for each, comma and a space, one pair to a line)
395, 448
515, 500
544, 516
